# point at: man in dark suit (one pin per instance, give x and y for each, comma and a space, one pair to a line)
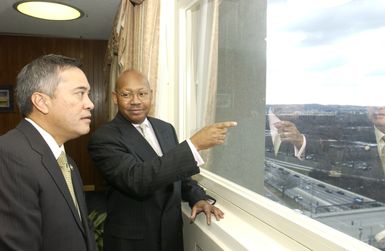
350, 154
352, 160
148, 173
42, 206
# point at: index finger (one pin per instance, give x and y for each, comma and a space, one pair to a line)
193, 214
226, 124
288, 123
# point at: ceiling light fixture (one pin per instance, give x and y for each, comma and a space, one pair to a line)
48, 10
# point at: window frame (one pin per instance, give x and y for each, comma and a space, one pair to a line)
289, 227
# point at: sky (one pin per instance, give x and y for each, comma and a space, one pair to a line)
326, 52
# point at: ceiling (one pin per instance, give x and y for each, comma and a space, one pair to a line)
95, 24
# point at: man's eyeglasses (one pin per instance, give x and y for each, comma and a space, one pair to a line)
141, 95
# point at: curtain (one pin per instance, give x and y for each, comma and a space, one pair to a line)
133, 44
209, 115
209, 100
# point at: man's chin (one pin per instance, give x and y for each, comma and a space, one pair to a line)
379, 122
136, 119
379, 118
84, 131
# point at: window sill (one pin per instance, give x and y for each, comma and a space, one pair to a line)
255, 222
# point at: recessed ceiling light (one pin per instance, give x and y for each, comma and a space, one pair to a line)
48, 10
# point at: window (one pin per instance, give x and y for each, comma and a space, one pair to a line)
227, 82
314, 67
325, 80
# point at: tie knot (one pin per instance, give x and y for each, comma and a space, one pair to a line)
143, 127
62, 160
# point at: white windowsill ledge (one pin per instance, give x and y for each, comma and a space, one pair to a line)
253, 222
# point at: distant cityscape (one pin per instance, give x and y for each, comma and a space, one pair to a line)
340, 173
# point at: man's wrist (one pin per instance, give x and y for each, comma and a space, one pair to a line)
197, 156
210, 200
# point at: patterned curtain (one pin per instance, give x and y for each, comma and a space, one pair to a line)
133, 44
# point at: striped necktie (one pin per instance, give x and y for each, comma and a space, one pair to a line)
66, 170
382, 154
146, 134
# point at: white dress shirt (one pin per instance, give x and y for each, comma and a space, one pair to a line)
52, 144
194, 151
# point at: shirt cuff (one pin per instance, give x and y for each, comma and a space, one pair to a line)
300, 154
195, 153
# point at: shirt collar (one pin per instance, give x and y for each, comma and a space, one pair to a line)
55, 148
379, 135
146, 122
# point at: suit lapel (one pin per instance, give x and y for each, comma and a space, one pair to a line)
131, 135
166, 141
77, 184
50, 164
142, 148
377, 163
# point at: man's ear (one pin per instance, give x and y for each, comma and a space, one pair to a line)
39, 101
115, 97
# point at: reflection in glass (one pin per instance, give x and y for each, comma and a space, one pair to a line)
325, 85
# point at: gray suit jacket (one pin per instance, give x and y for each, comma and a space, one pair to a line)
36, 209
144, 191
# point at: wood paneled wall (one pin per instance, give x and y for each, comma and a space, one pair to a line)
17, 51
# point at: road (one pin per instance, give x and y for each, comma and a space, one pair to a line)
312, 195
326, 203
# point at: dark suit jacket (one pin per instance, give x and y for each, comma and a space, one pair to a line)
36, 209
357, 164
145, 191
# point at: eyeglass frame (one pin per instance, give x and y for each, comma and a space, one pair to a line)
130, 95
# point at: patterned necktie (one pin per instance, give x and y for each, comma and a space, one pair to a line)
66, 170
146, 134
383, 154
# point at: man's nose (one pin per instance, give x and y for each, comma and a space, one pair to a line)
89, 105
135, 99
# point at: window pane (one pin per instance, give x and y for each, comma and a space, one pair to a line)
326, 112
239, 90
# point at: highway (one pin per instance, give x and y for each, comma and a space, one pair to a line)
311, 194
351, 213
